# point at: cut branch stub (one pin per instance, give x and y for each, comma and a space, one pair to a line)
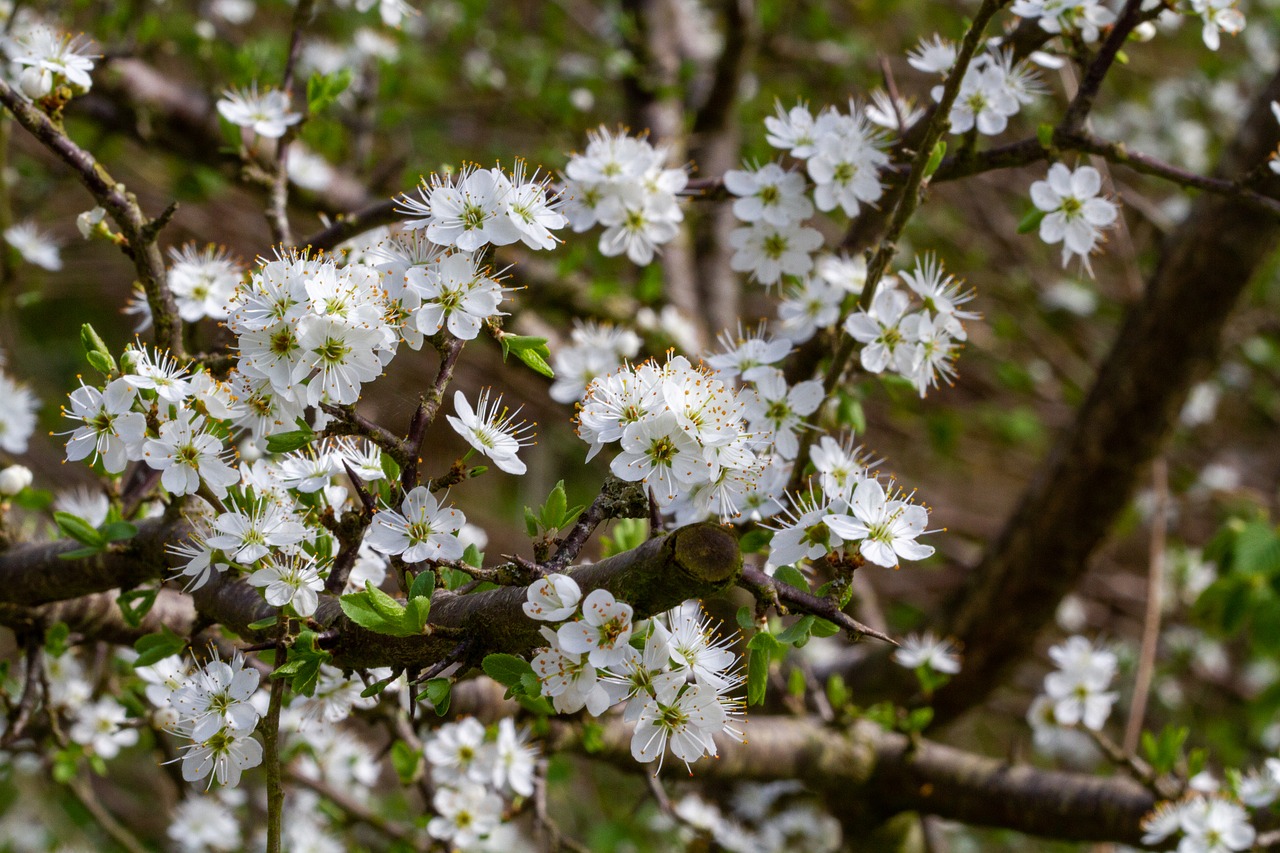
690, 562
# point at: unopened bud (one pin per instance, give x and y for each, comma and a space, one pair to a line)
14, 479
35, 83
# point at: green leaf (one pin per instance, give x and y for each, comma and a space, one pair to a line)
1164, 751
95, 349
531, 350
324, 89
746, 618
935, 157
55, 639
118, 531
78, 529
35, 500
593, 738
797, 634
530, 522
1044, 133
423, 585
553, 509
284, 442
156, 647
375, 610
389, 467
104, 364
79, 553
472, 556
791, 576
439, 693
755, 541
1031, 221
417, 611
406, 760
825, 628
506, 669
132, 612
757, 675
263, 624
918, 720
302, 665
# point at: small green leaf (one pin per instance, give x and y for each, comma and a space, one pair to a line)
156, 647
553, 509
135, 605
1044, 134
263, 624
506, 669
104, 364
825, 628
797, 634
531, 350
55, 639
530, 522
423, 585
375, 610
118, 531
406, 760
935, 157
918, 720
1031, 221
791, 576
383, 604
324, 89
757, 675
284, 442
439, 693
96, 350
755, 541
746, 618
472, 556
79, 553
416, 612
389, 467
78, 529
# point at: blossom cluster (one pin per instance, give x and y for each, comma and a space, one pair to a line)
594, 349
994, 88
1208, 822
686, 434
676, 683
623, 183
473, 771
1076, 693
883, 523
479, 207
920, 345
213, 707
762, 817
18, 415
44, 59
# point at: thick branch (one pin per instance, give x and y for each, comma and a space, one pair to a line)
691, 562
867, 768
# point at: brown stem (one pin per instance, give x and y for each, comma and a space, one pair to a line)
138, 230
1151, 619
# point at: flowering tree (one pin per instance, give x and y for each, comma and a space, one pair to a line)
268, 618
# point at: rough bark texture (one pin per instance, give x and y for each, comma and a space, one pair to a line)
690, 562
864, 769
1167, 340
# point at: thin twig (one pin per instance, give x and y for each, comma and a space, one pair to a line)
1151, 619
118, 832
756, 582
359, 812
278, 198
30, 691
138, 230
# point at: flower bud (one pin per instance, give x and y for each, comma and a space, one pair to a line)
89, 220
14, 479
35, 83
